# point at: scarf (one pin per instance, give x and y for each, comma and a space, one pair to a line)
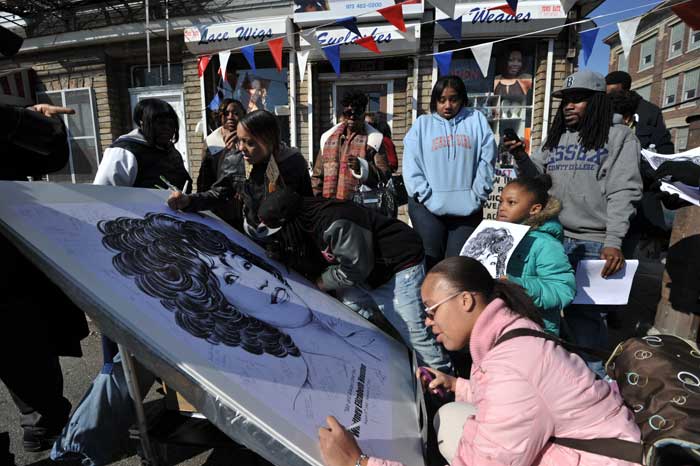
338, 181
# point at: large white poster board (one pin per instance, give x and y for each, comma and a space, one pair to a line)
262, 351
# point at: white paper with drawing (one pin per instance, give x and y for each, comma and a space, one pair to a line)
245, 328
591, 288
687, 193
492, 244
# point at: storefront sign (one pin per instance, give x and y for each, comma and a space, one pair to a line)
478, 19
389, 40
307, 12
226, 36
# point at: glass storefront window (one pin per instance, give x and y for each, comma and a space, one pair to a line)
505, 95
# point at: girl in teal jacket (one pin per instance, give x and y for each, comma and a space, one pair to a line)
539, 263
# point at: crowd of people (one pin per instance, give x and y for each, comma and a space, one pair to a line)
585, 194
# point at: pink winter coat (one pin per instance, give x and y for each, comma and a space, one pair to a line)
527, 390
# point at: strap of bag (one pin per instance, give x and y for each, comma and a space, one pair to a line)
625, 450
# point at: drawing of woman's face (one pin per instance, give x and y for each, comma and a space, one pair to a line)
260, 293
489, 259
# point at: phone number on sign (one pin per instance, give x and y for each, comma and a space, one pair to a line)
352, 6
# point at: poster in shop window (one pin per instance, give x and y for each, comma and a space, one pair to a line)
263, 89
260, 351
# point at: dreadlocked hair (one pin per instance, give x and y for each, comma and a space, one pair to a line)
593, 128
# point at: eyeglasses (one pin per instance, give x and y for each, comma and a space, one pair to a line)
430, 311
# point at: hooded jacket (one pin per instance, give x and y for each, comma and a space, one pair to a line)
540, 265
448, 164
132, 161
527, 390
597, 188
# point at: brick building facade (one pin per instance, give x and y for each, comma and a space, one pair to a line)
665, 67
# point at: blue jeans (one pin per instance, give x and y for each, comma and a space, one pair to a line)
399, 300
443, 235
586, 322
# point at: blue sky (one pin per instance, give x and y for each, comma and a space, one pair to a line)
601, 52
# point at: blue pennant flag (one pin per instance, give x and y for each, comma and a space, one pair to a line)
332, 54
349, 23
444, 60
453, 27
587, 41
513, 4
249, 53
215, 102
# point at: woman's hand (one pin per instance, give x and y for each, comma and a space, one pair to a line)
440, 380
516, 148
230, 140
178, 200
338, 446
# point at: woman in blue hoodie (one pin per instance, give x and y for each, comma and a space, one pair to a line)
448, 164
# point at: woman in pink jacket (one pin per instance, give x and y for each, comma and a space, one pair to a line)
521, 393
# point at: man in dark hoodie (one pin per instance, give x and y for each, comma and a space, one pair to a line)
594, 164
648, 115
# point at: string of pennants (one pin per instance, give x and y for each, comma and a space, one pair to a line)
688, 11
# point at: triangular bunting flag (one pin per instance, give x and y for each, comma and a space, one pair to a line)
202, 63
627, 30
332, 53
482, 55
689, 12
215, 102
587, 42
446, 6
310, 37
567, 4
368, 43
302, 57
249, 53
410, 34
507, 9
275, 46
394, 14
443, 60
349, 23
223, 63
513, 4
453, 27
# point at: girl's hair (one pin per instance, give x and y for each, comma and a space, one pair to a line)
454, 82
593, 127
238, 107
147, 111
538, 186
624, 102
264, 127
467, 274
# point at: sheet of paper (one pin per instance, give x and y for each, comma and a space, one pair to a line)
492, 244
591, 288
685, 192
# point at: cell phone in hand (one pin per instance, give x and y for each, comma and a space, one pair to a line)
428, 376
510, 135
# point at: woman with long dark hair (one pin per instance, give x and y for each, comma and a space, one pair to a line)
448, 165
274, 166
522, 392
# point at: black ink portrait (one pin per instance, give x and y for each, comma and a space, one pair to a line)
491, 247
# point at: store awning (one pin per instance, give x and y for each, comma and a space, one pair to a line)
389, 40
218, 37
533, 15
16, 87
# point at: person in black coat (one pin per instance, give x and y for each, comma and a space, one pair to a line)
41, 324
648, 114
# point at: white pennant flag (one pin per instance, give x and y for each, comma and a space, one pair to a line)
223, 61
446, 6
567, 4
310, 37
410, 34
628, 29
302, 57
482, 54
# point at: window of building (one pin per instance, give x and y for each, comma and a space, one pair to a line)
690, 84
670, 87
694, 41
82, 134
646, 55
675, 47
621, 62
644, 92
140, 77
681, 140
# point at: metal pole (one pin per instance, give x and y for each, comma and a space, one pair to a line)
167, 37
547, 90
135, 392
148, 38
669, 320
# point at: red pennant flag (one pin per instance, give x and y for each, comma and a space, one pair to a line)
504, 8
368, 43
394, 14
689, 12
202, 63
412, 2
275, 46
